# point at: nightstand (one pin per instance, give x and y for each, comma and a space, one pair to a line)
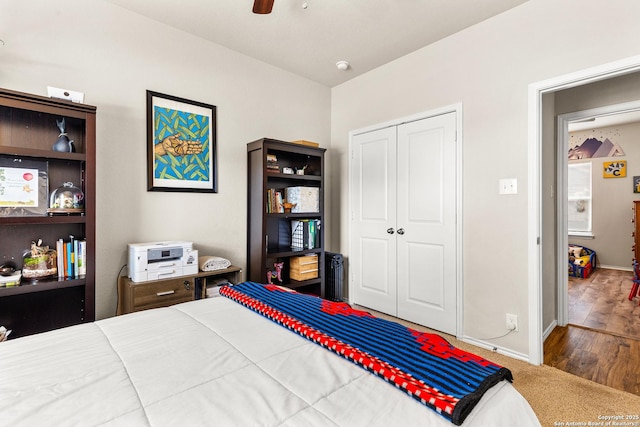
137, 296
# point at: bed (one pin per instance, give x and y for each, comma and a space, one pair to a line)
213, 362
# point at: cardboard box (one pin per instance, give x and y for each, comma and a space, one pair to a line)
303, 267
307, 143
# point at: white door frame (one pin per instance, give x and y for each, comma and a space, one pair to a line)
453, 108
562, 202
536, 90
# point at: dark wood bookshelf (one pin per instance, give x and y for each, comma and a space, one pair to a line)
269, 233
28, 130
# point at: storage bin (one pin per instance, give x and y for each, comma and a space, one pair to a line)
306, 199
588, 264
303, 267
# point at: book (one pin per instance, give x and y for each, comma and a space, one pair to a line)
82, 257
71, 258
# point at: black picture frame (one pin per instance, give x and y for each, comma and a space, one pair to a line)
181, 145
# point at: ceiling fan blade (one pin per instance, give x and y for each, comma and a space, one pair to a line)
262, 6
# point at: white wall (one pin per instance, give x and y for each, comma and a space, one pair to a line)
114, 56
488, 68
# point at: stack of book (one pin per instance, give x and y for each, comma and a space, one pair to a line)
274, 201
11, 280
72, 258
272, 163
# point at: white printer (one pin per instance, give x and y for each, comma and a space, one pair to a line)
161, 260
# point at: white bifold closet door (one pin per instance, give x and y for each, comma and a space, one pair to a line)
403, 231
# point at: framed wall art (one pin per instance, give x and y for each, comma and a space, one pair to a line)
615, 169
181, 145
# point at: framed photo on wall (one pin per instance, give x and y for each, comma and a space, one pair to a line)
615, 169
181, 145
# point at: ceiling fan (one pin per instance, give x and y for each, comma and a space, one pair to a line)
262, 6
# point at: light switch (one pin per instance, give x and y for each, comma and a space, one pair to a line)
508, 186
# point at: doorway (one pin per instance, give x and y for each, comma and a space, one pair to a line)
544, 293
611, 120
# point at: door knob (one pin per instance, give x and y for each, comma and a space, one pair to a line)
400, 231
390, 230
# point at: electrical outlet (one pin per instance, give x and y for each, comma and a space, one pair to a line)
512, 322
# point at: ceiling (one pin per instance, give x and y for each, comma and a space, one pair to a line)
309, 41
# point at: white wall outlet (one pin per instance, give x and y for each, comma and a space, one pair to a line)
512, 322
508, 186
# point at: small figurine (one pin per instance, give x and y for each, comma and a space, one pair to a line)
63, 144
286, 206
275, 274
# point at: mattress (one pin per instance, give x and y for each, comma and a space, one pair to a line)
208, 362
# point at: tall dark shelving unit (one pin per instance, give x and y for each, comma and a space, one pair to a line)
28, 131
269, 233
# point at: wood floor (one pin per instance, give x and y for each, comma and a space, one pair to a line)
601, 302
602, 341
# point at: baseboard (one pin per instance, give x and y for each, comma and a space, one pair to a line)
548, 331
496, 348
615, 267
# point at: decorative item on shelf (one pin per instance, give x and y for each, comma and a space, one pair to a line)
287, 206
287, 171
4, 333
9, 275
7, 269
67, 199
39, 262
275, 274
63, 144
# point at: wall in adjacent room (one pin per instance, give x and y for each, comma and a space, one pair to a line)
612, 197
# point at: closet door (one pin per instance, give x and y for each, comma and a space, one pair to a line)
373, 239
426, 228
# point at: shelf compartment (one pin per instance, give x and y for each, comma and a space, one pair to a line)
287, 251
31, 152
43, 219
43, 285
41, 310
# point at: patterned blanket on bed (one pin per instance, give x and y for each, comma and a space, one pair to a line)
442, 377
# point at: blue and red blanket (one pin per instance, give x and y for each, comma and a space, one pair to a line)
442, 377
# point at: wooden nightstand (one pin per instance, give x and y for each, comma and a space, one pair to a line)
139, 296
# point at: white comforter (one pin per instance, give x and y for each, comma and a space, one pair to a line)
209, 362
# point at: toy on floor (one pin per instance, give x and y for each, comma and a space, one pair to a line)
582, 261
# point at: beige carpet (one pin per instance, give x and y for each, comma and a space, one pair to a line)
557, 398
